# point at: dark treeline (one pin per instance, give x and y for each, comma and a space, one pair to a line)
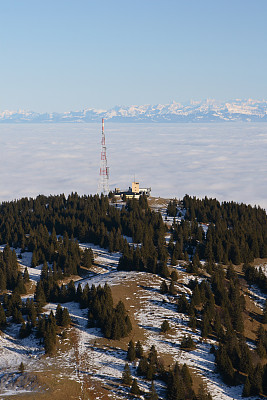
255, 276
50, 227
148, 230
87, 218
9, 274
27, 315
217, 308
47, 227
236, 232
113, 321
178, 380
34, 224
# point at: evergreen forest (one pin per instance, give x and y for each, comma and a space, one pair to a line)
216, 243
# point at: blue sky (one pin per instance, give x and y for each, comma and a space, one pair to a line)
65, 55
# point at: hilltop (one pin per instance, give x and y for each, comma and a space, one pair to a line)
161, 258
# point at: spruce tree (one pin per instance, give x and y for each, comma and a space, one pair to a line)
247, 388
142, 366
163, 287
2, 317
165, 326
126, 375
65, 318
153, 355
34, 260
139, 349
25, 330
174, 276
21, 368
205, 326
20, 286
135, 388
256, 380
26, 276
40, 295
172, 289
131, 351
58, 315
264, 317
192, 322
173, 259
182, 304
203, 393
152, 393
88, 258
187, 343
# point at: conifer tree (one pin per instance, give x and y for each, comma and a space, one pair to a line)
196, 296
186, 376
173, 259
71, 291
187, 343
205, 326
131, 351
20, 286
34, 260
17, 316
40, 295
163, 287
174, 276
192, 322
26, 276
79, 293
126, 375
203, 393
142, 366
183, 305
135, 388
247, 388
88, 258
151, 369
58, 315
256, 380
49, 342
165, 326
172, 289
264, 317
152, 393
2, 317
25, 330
65, 317
3, 283
139, 349
21, 368
153, 355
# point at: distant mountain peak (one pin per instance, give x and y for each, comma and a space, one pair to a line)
208, 110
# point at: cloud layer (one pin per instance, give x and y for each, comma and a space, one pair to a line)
226, 161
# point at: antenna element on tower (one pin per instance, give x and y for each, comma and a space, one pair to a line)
103, 185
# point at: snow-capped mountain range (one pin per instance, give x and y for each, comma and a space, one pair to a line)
194, 111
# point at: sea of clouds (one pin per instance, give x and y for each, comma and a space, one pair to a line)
222, 160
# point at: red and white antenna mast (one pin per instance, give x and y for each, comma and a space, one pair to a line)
103, 186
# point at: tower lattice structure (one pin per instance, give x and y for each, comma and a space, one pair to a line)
103, 184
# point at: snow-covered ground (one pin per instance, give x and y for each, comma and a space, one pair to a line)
263, 267
89, 357
257, 296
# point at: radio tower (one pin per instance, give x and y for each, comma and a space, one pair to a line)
103, 186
